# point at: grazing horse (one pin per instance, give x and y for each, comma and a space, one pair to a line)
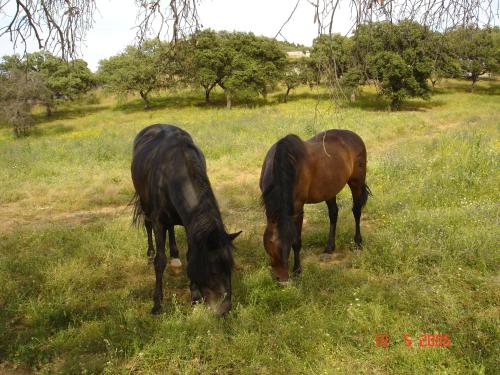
172, 188
297, 172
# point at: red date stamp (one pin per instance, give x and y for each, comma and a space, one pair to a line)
425, 340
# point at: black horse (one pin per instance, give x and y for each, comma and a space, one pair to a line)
172, 188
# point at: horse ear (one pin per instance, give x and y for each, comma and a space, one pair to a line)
232, 236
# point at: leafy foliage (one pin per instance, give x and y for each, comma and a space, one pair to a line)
331, 56
242, 64
39, 78
19, 92
396, 57
295, 73
477, 51
151, 66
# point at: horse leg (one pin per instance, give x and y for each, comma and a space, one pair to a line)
333, 213
160, 264
149, 231
175, 262
196, 296
358, 200
297, 268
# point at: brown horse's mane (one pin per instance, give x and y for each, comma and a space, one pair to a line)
277, 198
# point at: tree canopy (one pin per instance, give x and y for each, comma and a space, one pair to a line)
151, 66
476, 50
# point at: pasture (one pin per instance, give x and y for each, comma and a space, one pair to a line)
76, 288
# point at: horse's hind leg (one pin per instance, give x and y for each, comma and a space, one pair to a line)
175, 262
149, 230
160, 264
359, 196
333, 213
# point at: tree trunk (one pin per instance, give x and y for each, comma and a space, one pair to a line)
474, 80
207, 96
48, 107
228, 100
433, 81
395, 103
144, 96
285, 99
353, 97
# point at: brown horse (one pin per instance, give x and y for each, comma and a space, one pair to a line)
295, 173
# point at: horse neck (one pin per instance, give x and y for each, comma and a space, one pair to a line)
206, 218
279, 197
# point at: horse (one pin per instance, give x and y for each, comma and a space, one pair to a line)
295, 173
172, 188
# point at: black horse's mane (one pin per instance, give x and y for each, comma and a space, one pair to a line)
208, 240
277, 198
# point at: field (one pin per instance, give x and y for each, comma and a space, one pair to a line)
76, 287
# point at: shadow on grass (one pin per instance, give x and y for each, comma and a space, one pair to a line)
50, 130
376, 103
366, 101
484, 86
195, 101
70, 112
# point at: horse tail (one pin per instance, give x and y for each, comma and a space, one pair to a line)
365, 193
138, 213
290, 150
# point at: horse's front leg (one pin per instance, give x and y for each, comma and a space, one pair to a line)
297, 268
333, 212
175, 262
149, 230
160, 264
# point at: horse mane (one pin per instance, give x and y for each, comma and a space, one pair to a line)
209, 243
277, 198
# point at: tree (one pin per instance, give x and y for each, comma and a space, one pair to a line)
19, 92
395, 56
443, 62
242, 64
294, 74
254, 65
395, 78
140, 69
65, 80
331, 56
208, 59
477, 51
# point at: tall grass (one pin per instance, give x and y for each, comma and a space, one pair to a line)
76, 286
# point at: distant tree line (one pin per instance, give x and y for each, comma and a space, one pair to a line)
402, 60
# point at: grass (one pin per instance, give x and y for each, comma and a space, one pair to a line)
76, 286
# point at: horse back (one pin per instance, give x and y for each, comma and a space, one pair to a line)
165, 167
333, 158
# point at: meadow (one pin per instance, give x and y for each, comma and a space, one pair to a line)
76, 287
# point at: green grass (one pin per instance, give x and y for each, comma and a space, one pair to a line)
76, 288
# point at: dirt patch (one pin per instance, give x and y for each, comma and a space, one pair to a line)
13, 217
12, 369
342, 259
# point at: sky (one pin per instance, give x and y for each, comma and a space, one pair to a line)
113, 29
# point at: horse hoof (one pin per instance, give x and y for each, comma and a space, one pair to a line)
175, 263
283, 284
155, 310
325, 257
297, 272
